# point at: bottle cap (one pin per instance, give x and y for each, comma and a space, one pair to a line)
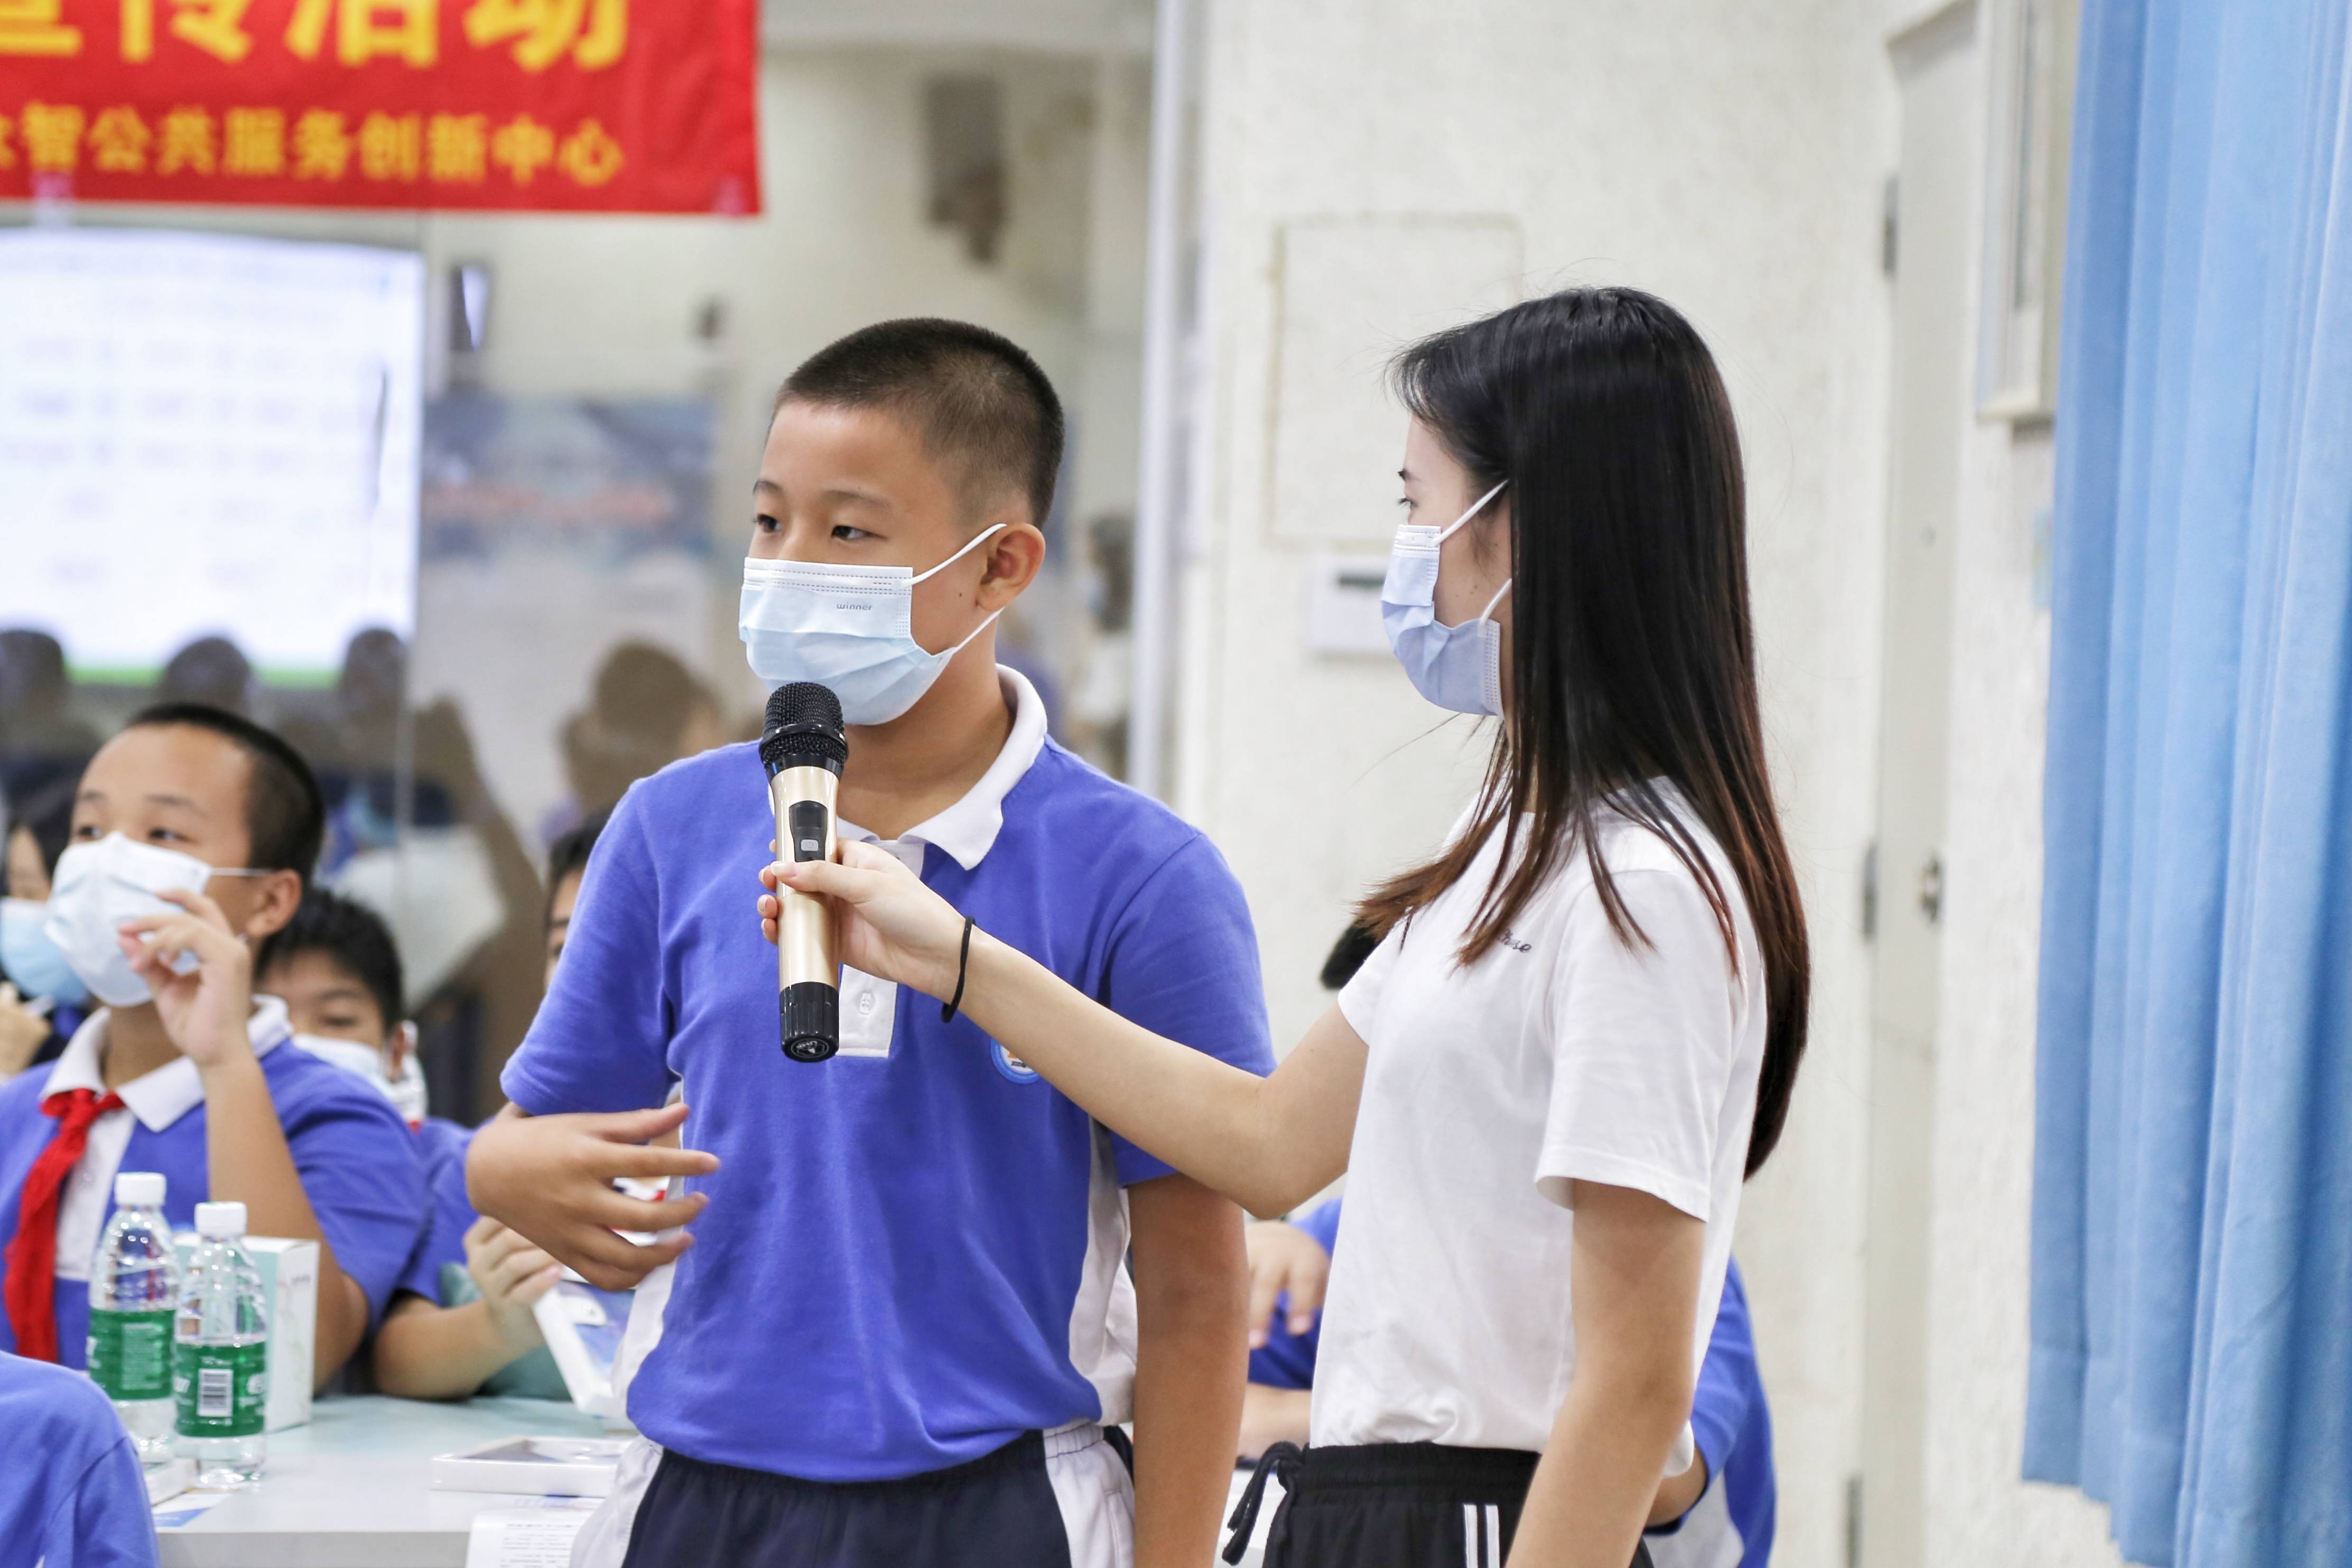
138, 1190
220, 1219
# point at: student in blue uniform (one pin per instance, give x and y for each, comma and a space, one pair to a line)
1579, 1034
41, 1001
338, 971
71, 1492
194, 834
903, 1332
1718, 1513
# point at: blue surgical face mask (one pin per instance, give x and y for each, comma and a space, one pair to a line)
1458, 667
36, 964
849, 628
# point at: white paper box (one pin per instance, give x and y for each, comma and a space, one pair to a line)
169, 1478
290, 1285
549, 1467
583, 1327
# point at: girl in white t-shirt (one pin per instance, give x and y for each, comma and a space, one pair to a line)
1579, 1033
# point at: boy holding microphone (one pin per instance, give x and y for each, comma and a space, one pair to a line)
916, 1250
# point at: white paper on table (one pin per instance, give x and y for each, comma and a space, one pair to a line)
537, 1536
187, 1508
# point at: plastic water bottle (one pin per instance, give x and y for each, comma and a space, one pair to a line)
220, 1374
134, 1285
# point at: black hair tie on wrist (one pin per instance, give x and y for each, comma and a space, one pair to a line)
963, 968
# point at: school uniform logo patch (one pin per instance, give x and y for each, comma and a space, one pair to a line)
1010, 1065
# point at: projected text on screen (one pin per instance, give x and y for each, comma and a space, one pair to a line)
204, 434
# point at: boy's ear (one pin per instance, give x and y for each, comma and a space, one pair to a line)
277, 895
1014, 558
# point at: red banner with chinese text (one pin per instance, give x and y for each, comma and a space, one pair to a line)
545, 105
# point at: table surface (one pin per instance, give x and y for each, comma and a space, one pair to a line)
352, 1489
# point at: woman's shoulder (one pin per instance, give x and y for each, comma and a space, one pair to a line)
1656, 833
1660, 858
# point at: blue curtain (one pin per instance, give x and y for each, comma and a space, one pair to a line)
2192, 1204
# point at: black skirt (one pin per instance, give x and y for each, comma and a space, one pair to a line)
1389, 1505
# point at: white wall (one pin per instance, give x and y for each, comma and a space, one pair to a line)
1727, 154
1977, 1510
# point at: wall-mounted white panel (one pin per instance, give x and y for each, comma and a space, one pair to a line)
1354, 290
1343, 605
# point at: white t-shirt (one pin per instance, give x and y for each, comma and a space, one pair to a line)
1563, 1055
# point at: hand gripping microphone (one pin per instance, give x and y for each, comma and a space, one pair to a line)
803, 749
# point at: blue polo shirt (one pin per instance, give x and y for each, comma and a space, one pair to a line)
1729, 1419
355, 1157
441, 1147
73, 1495
913, 1252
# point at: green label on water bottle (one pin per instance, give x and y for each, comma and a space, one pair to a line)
223, 1389
130, 1353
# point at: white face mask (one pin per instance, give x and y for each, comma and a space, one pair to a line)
98, 887
407, 1091
1460, 666
847, 628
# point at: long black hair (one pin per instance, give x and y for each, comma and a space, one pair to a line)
1632, 657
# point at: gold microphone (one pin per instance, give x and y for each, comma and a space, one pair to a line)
803, 749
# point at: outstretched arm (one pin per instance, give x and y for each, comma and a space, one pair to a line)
1265, 1143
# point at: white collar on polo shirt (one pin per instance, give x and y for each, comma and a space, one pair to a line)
169, 1092
968, 828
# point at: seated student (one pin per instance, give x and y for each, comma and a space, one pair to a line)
927, 1235
41, 1001
567, 864
336, 968
71, 1492
1694, 1523
193, 833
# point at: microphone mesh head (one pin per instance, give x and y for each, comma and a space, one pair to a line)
805, 724
798, 703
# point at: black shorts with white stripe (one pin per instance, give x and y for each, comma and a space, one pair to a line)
1399, 1505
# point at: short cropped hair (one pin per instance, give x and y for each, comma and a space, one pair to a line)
285, 815
350, 933
569, 852
980, 404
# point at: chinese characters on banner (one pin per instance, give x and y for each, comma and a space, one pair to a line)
557, 105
